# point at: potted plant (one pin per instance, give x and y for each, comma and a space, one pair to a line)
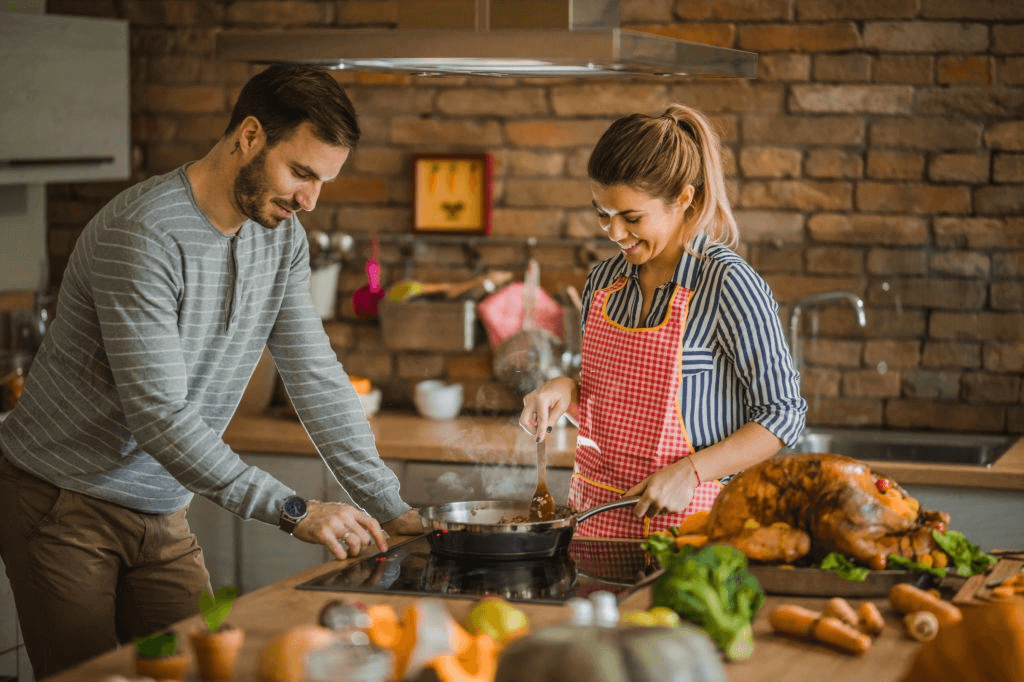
157, 656
216, 647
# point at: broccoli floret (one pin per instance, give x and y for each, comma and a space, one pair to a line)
710, 588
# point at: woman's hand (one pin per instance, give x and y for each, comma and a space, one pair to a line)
666, 491
544, 405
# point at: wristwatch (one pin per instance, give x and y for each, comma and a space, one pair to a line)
292, 512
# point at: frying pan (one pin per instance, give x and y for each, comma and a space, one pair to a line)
486, 530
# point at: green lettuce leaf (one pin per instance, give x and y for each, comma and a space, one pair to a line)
895, 560
844, 568
967, 557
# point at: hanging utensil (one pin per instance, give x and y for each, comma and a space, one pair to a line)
542, 506
529, 357
366, 298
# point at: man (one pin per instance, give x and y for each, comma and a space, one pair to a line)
169, 298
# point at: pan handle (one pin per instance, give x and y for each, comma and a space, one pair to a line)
607, 506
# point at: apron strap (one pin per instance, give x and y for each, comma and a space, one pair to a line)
618, 491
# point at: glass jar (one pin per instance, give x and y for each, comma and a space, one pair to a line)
342, 662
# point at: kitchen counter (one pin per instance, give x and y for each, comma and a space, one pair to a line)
499, 440
267, 612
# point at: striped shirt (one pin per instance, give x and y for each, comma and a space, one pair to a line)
161, 320
736, 365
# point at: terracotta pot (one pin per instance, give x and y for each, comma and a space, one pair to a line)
216, 652
171, 667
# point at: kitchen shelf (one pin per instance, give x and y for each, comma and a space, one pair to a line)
16, 300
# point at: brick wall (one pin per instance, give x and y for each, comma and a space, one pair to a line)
880, 151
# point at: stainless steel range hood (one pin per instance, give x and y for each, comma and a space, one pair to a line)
577, 38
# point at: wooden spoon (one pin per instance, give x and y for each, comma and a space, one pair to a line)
542, 506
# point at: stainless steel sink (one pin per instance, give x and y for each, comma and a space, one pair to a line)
905, 446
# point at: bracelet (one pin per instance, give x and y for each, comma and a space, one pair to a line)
695, 472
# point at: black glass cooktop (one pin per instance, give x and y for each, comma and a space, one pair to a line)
411, 569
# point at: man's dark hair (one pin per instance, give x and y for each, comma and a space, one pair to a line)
284, 96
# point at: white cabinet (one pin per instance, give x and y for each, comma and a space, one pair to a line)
65, 86
991, 519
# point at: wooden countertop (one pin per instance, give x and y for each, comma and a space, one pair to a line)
267, 612
499, 440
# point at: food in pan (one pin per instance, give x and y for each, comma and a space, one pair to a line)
797, 506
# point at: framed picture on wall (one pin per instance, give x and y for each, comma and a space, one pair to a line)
451, 193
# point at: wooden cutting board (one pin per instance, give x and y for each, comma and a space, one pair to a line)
978, 588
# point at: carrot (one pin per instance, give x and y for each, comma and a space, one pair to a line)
694, 539
793, 620
837, 633
869, 619
693, 524
837, 607
921, 625
906, 598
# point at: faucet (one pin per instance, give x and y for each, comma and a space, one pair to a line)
813, 300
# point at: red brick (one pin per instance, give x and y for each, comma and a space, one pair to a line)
1010, 71
787, 67
163, 158
870, 383
280, 12
377, 367
843, 68
1015, 419
929, 134
967, 102
529, 163
1008, 264
867, 229
952, 355
547, 192
889, 164
733, 10
834, 163
921, 36
982, 387
976, 9
798, 130
1007, 296
963, 69
897, 262
526, 222
1006, 135
921, 414
823, 10
369, 219
770, 162
510, 102
721, 35
818, 381
830, 259
913, 197
787, 288
353, 189
154, 128
773, 227
773, 258
173, 69
979, 233
416, 131
970, 168
725, 97
827, 411
825, 37
930, 293
366, 13
835, 318
489, 395
884, 323
805, 195
476, 366
554, 133
895, 354
852, 99
960, 263
1008, 168
832, 352
392, 100
1000, 200
611, 99
977, 326
1003, 357
904, 68
418, 366
935, 385
1008, 39
377, 159
184, 99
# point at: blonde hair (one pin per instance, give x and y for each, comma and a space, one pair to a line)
661, 155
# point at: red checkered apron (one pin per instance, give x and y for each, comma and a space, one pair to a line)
629, 408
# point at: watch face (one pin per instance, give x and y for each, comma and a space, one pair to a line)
295, 507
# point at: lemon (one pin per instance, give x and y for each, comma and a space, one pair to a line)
497, 618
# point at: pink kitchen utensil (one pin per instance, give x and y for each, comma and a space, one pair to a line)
366, 298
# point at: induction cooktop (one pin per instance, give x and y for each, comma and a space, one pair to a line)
411, 569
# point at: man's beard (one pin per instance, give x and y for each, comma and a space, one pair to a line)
252, 192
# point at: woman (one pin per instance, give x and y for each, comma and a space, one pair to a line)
686, 376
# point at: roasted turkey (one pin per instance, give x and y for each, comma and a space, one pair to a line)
806, 505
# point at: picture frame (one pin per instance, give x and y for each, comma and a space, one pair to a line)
451, 193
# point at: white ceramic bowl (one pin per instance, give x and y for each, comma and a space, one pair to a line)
371, 402
435, 399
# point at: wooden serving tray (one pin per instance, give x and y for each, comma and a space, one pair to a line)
815, 582
978, 588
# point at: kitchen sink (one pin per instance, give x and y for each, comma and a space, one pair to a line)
905, 446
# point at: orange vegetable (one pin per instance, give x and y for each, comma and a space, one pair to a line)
793, 620
283, 659
384, 626
693, 524
694, 539
361, 384
837, 607
906, 598
837, 633
869, 619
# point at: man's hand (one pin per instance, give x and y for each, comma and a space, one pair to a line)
328, 522
408, 523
